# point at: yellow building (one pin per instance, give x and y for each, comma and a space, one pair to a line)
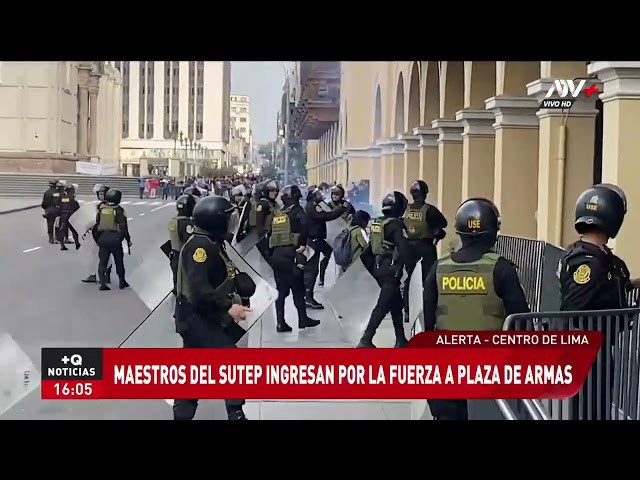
476, 129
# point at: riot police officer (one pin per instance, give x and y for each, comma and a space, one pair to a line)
288, 240
239, 196
392, 253
265, 210
207, 303
68, 206
99, 189
51, 206
425, 228
180, 229
471, 289
592, 277
112, 228
317, 220
337, 198
256, 194
195, 191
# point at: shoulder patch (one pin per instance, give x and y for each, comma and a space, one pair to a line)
582, 275
172, 226
189, 229
200, 255
259, 208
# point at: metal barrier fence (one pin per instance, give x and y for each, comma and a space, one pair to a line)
611, 390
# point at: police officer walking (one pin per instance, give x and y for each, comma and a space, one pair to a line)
425, 228
471, 289
288, 240
317, 220
68, 206
265, 210
100, 190
593, 278
392, 253
180, 229
51, 206
207, 303
112, 228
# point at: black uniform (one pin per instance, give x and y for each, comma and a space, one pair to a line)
180, 229
51, 206
317, 220
265, 209
207, 288
497, 292
100, 190
392, 253
593, 278
68, 206
425, 228
112, 228
289, 233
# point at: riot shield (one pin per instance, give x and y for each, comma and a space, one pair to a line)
234, 222
352, 299
260, 265
243, 220
415, 300
18, 375
246, 243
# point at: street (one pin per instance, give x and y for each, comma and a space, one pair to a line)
46, 305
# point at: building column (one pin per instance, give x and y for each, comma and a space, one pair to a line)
392, 164
565, 165
83, 114
478, 153
374, 155
449, 166
94, 86
515, 189
411, 169
621, 144
429, 172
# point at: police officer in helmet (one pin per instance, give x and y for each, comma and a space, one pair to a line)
287, 240
112, 228
265, 209
317, 220
425, 228
180, 229
68, 206
392, 253
208, 304
471, 289
51, 206
99, 189
195, 191
337, 198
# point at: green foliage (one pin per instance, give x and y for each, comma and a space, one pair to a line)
208, 170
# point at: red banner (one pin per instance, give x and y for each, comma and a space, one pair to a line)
441, 365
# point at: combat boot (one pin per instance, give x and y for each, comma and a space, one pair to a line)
122, 284
90, 279
401, 342
236, 414
366, 340
307, 322
103, 287
311, 302
63, 247
281, 325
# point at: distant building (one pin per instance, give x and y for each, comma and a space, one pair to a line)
54, 114
175, 116
241, 118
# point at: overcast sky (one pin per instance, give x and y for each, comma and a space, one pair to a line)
262, 82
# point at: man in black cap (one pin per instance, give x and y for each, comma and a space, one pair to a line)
111, 228
473, 288
51, 202
208, 304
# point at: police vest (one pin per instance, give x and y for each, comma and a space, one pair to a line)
380, 246
281, 235
228, 287
415, 219
108, 219
467, 298
175, 224
252, 212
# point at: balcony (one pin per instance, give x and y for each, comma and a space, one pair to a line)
319, 104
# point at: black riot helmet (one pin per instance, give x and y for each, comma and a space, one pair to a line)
290, 195
261, 190
337, 191
618, 190
602, 208
476, 217
272, 187
315, 195
212, 215
192, 191
53, 183
113, 196
324, 186
419, 190
185, 205
394, 204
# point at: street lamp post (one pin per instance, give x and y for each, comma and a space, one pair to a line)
286, 126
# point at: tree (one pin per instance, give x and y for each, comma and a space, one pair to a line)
269, 171
266, 149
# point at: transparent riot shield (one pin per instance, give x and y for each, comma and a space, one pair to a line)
352, 299
260, 265
415, 302
243, 219
246, 244
18, 375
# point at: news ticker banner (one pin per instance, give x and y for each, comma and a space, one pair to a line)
436, 365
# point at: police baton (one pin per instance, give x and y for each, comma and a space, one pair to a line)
129, 248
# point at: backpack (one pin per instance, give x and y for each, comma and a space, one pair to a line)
342, 251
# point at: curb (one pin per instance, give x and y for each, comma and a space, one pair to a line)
21, 209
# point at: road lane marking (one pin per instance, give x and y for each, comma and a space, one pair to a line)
130, 218
142, 214
156, 203
139, 203
125, 203
31, 249
158, 208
